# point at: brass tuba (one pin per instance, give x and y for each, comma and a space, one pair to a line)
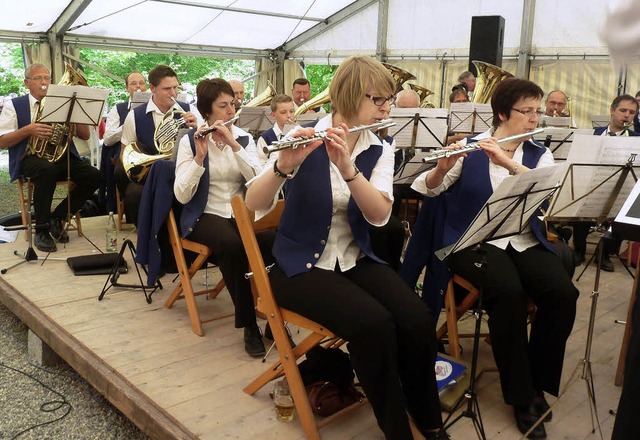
423, 93
489, 76
320, 99
399, 75
53, 149
136, 164
261, 99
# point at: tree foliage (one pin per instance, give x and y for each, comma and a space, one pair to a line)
11, 70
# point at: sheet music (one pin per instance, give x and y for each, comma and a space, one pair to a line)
470, 117
560, 140
630, 211
87, 109
413, 169
596, 167
501, 215
600, 120
431, 128
255, 119
140, 98
555, 121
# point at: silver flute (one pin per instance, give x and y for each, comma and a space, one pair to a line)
442, 153
302, 141
212, 129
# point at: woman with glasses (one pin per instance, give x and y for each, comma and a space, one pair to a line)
517, 267
326, 270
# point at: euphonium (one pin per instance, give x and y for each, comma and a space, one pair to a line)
423, 93
320, 99
136, 164
489, 76
53, 149
261, 99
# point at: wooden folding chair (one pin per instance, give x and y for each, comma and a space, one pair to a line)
184, 289
277, 316
24, 209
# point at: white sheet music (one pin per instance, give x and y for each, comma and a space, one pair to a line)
559, 121
596, 169
255, 119
87, 109
470, 117
600, 120
560, 140
431, 127
413, 169
140, 98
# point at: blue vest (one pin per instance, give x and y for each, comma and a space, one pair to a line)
269, 136
123, 110
599, 130
145, 127
23, 114
195, 207
306, 220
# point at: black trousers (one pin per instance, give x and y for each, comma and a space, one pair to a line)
222, 236
390, 334
107, 190
130, 192
45, 174
580, 232
526, 365
387, 241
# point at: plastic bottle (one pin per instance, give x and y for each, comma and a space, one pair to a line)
111, 234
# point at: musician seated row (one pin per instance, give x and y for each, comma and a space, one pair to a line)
140, 126
326, 270
209, 172
517, 267
18, 130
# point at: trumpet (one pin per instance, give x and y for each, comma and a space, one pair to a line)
212, 129
442, 153
302, 141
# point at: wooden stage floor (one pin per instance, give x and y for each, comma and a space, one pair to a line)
173, 384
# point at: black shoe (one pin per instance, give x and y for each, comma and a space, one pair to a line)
269, 335
253, 344
44, 242
526, 417
541, 406
57, 231
437, 435
606, 264
578, 258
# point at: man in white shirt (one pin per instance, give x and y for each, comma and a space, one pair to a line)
301, 93
140, 125
134, 82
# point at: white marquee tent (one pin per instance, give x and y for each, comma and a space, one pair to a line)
555, 43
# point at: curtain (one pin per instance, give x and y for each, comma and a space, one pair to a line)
37, 53
267, 69
292, 71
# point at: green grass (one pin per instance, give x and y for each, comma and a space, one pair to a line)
9, 199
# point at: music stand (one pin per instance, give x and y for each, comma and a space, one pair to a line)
30, 253
140, 98
600, 120
555, 121
470, 117
559, 140
594, 191
505, 214
73, 105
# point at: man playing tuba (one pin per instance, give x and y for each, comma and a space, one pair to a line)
18, 131
140, 127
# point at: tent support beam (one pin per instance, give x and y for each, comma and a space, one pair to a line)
383, 22
526, 39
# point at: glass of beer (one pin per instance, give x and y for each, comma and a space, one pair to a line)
283, 401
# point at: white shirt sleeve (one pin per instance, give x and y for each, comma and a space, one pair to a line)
8, 118
113, 129
129, 130
247, 159
188, 172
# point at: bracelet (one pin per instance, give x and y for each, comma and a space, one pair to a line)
515, 168
279, 173
351, 179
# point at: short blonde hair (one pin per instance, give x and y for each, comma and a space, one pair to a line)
355, 76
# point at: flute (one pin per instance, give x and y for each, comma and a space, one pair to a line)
302, 141
212, 129
441, 153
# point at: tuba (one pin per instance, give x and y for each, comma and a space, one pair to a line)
318, 100
399, 75
261, 99
423, 93
53, 149
489, 76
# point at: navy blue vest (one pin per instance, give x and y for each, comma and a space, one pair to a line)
195, 207
306, 220
269, 136
599, 130
23, 114
145, 127
471, 191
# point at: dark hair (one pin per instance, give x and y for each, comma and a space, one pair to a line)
300, 82
616, 102
278, 99
159, 72
461, 86
510, 91
456, 92
208, 90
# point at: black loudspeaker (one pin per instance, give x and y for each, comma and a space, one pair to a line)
487, 40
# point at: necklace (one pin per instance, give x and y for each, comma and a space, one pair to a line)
508, 150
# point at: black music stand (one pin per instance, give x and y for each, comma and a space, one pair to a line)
505, 214
559, 140
470, 117
610, 186
73, 105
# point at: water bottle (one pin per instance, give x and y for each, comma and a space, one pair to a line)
111, 234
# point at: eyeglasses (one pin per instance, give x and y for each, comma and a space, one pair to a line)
530, 113
380, 100
40, 78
